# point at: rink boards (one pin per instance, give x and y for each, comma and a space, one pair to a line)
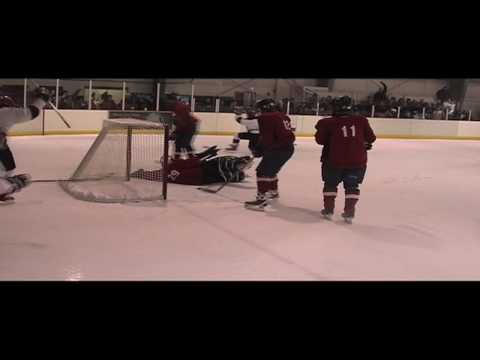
90, 121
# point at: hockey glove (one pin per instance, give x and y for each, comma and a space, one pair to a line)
42, 93
239, 118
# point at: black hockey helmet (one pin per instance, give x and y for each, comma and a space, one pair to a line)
7, 101
342, 107
266, 105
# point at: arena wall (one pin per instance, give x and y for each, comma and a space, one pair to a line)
90, 121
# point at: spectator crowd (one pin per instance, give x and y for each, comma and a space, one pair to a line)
378, 104
105, 101
381, 105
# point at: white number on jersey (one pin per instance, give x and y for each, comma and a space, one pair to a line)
345, 133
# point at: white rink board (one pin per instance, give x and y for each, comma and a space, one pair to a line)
80, 120
34, 126
222, 123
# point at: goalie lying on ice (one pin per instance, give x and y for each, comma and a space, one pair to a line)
205, 168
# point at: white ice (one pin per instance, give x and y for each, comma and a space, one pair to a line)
418, 219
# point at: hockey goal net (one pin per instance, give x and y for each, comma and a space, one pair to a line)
111, 170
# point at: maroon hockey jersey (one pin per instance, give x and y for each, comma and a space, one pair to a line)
187, 172
184, 120
344, 140
275, 131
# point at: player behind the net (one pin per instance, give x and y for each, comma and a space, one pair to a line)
11, 115
345, 139
185, 127
276, 142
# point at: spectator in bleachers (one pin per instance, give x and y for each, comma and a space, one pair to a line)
437, 113
443, 94
95, 101
107, 101
381, 94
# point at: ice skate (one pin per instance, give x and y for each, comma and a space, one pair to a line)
232, 147
272, 195
17, 183
6, 200
348, 218
326, 215
258, 205
20, 181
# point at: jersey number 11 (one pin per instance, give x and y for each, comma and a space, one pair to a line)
345, 133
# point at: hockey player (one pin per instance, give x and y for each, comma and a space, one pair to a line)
185, 127
276, 142
345, 139
203, 169
252, 134
9, 116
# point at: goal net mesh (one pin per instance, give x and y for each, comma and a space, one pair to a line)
111, 171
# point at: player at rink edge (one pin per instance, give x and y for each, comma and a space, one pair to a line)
11, 115
345, 139
277, 145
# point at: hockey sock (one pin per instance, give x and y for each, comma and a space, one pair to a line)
329, 195
274, 186
351, 198
262, 185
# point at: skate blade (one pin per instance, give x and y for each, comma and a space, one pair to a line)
255, 208
348, 220
6, 202
326, 216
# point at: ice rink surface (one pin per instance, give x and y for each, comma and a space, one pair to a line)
418, 218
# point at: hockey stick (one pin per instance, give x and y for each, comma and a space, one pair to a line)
213, 191
63, 180
54, 108
48, 180
225, 179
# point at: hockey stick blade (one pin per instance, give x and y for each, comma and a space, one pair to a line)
48, 180
212, 191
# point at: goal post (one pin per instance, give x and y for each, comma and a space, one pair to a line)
112, 169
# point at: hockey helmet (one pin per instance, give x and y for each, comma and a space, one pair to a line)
266, 105
7, 101
341, 107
